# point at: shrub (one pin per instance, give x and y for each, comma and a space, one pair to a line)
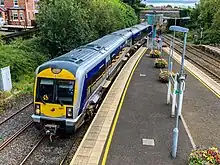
164, 76
68, 24
204, 156
155, 53
23, 56
160, 63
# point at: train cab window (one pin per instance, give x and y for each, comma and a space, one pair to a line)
64, 92
55, 91
45, 90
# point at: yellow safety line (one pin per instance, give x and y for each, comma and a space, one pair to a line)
218, 95
118, 112
193, 74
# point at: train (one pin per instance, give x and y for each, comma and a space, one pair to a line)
68, 89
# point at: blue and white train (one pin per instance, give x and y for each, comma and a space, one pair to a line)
69, 88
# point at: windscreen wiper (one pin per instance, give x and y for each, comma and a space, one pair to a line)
60, 102
41, 99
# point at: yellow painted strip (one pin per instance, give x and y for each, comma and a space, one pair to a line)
64, 74
118, 112
218, 95
193, 74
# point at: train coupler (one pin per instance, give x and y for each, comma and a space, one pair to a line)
51, 130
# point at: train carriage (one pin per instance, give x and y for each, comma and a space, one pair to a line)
69, 88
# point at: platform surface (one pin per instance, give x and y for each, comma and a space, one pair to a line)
91, 147
201, 106
145, 115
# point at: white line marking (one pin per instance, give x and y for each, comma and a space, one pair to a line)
188, 132
142, 75
148, 142
187, 129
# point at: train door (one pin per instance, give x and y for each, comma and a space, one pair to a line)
108, 64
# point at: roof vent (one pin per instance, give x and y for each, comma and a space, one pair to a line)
95, 47
79, 61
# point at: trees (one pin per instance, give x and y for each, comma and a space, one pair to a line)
135, 4
206, 15
68, 24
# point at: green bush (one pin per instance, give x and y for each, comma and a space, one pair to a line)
23, 57
68, 24
160, 63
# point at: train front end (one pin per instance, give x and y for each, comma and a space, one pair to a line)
54, 97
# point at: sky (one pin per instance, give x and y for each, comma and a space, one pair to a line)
183, 3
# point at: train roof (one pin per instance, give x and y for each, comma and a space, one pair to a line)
125, 33
96, 49
77, 57
109, 42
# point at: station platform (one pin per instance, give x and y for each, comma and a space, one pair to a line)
201, 105
133, 125
145, 116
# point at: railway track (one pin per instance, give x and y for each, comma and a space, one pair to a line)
58, 153
32, 150
15, 135
20, 110
62, 147
197, 58
204, 56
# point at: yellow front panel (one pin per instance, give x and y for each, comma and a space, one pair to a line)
49, 109
64, 74
52, 110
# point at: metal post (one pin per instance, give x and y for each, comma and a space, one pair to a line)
174, 97
183, 56
169, 91
179, 109
201, 36
147, 41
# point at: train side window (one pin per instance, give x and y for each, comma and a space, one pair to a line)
96, 76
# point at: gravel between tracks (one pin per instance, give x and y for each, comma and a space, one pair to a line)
198, 59
19, 148
14, 124
53, 153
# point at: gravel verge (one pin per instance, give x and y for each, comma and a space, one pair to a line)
15, 104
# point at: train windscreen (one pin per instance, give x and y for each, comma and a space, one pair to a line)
55, 91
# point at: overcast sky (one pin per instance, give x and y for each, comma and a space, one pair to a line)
171, 2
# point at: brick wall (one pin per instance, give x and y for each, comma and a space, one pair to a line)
28, 5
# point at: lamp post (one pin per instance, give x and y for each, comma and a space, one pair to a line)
172, 42
201, 35
181, 87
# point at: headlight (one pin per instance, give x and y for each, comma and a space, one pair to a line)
69, 112
37, 109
